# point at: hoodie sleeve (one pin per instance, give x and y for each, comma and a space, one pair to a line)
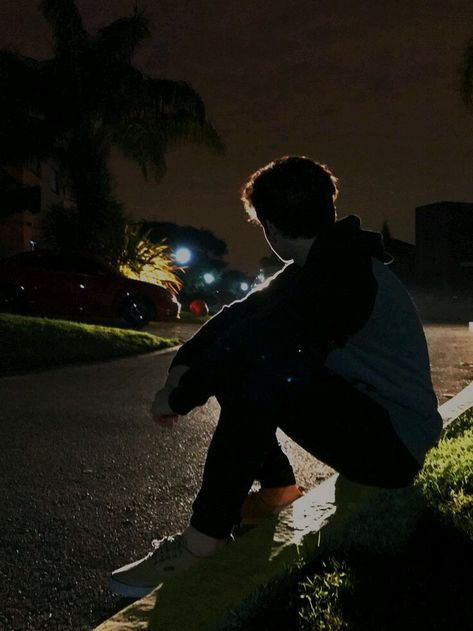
228, 334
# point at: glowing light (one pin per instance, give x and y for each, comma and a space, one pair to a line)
182, 256
209, 278
244, 286
289, 380
261, 277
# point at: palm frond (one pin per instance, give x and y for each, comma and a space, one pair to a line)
165, 114
466, 75
166, 96
117, 90
119, 40
181, 129
143, 145
70, 36
144, 260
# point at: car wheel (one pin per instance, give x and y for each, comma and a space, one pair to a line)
137, 311
11, 300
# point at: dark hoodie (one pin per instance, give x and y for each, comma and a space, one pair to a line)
317, 306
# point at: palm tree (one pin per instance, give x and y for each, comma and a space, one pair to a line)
89, 97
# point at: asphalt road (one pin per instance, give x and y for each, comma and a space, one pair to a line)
87, 480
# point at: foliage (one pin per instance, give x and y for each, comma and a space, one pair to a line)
320, 596
446, 480
208, 253
189, 318
147, 261
102, 235
202, 241
89, 97
30, 343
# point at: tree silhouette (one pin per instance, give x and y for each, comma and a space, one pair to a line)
73, 108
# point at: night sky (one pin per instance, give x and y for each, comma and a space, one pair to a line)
367, 87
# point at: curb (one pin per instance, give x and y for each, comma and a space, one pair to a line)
206, 596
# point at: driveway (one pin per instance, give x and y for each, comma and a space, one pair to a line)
87, 480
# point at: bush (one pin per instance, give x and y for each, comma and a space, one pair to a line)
446, 480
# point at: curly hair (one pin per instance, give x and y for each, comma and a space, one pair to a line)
294, 193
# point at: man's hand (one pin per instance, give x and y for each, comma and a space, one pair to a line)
160, 409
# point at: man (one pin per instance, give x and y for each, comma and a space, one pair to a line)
331, 351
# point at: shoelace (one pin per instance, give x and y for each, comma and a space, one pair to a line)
167, 548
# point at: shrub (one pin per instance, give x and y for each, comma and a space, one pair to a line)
446, 480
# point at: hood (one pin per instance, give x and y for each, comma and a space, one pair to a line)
347, 236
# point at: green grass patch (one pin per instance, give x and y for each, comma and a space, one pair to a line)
29, 343
381, 581
189, 318
446, 479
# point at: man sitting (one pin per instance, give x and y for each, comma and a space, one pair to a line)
332, 351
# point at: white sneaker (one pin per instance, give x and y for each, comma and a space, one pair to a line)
170, 555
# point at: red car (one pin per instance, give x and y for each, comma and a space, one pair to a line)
44, 283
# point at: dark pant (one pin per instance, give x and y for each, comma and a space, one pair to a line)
315, 407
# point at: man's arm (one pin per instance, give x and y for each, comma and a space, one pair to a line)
224, 336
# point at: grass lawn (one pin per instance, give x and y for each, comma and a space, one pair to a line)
423, 583
29, 343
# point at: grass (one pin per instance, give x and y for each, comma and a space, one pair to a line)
422, 581
30, 343
189, 318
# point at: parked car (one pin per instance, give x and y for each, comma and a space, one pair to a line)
81, 287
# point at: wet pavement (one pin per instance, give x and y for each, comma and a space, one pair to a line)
87, 480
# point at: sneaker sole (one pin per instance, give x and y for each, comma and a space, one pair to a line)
129, 591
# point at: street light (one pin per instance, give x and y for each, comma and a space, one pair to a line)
209, 278
182, 256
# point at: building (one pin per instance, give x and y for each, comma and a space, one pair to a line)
26, 191
444, 244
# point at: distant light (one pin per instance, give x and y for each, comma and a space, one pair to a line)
244, 286
82, 286
209, 278
183, 256
261, 277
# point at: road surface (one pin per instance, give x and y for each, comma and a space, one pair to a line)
87, 480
